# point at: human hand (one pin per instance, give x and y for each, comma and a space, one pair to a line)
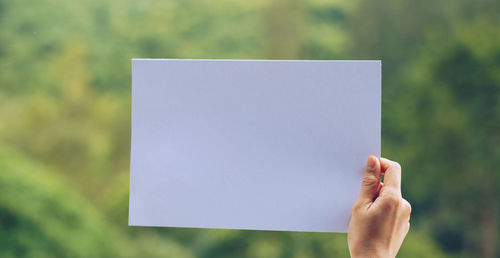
380, 217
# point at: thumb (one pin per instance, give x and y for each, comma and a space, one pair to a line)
371, 180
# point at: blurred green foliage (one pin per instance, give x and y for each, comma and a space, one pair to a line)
65, 116
38, 212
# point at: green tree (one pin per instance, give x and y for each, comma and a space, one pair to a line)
454, 101
41, 217
441, 112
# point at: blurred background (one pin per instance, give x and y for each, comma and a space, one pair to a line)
65, 80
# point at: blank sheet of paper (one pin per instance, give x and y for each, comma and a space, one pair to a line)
251, 144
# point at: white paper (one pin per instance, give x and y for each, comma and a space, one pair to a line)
251, 144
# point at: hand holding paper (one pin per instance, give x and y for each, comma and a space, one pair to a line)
380, 217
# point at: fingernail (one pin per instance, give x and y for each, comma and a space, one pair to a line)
371, 163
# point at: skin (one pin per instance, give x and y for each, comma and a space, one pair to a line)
380, 217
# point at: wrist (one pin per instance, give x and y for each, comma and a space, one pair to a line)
369, 253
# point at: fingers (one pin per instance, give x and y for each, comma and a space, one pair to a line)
392, 177
406, 209
371, 180
384, 164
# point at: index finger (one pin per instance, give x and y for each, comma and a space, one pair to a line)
392, 177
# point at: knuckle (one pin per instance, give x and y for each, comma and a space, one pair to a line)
358, 207
396, 165
370, 181
355, 207
392, 202
406, 207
